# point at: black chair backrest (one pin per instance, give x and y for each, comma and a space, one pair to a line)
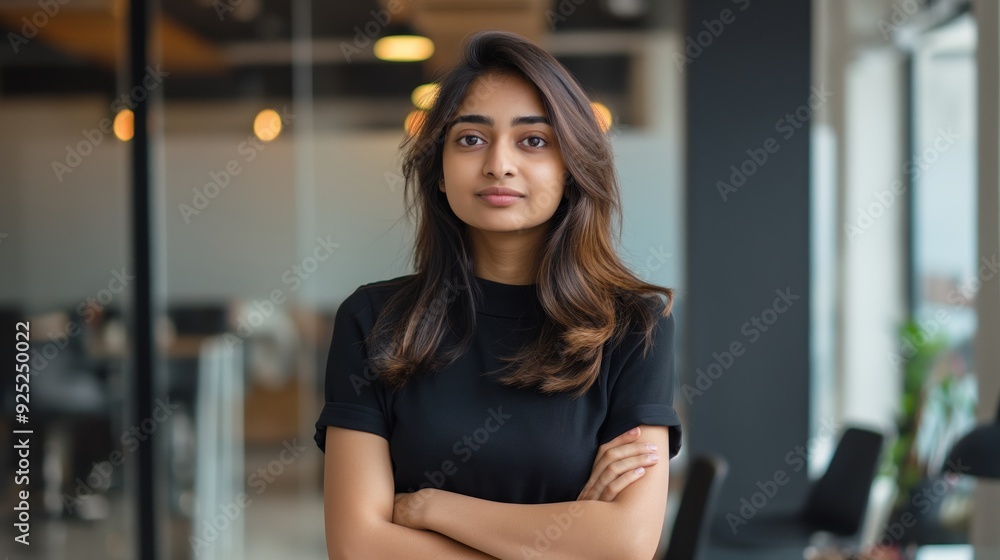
690, 529
199, 319
838, 500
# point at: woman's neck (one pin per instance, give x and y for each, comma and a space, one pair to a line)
506, 257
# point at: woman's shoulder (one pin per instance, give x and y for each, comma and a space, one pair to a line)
389, 286
643, 309
373, 295
643, 319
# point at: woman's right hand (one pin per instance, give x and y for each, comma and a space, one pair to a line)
619, 462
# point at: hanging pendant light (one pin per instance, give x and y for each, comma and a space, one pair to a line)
403, 44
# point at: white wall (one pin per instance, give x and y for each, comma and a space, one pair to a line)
68, 236
239, 244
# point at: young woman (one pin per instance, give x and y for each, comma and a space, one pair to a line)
482, 406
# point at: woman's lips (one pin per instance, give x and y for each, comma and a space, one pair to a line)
500, 199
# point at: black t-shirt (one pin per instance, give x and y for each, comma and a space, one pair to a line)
466, 432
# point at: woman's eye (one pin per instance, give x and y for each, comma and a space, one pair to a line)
471, 140
535, 141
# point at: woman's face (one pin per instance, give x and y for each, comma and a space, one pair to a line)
501, 137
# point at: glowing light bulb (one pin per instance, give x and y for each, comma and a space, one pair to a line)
404, 48
267, 125
124, 125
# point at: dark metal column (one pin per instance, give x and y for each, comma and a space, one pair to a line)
142, 259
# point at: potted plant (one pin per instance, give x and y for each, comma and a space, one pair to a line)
933, 376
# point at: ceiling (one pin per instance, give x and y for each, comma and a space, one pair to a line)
225, 49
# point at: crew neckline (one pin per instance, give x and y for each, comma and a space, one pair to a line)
508, 300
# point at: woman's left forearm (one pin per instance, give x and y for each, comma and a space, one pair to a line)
571, 530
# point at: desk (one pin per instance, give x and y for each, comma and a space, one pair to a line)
956, 552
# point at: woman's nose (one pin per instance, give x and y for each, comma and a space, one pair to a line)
499, 161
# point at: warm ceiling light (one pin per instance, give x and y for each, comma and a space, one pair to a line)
414, 121
423, 96
404, 48
627, 8
267, 125
602, 114
124, 125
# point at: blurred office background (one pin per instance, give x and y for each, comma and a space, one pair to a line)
840, 152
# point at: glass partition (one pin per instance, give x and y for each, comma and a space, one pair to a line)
277, 192
66, 281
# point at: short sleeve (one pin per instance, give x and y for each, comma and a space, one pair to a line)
354, 398
643, 390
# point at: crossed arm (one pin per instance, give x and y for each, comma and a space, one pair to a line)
364, 519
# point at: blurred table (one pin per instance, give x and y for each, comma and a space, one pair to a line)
957, 552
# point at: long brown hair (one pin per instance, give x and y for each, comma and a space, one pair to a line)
588, 295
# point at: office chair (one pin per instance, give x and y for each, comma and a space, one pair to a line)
836, 503
687, 539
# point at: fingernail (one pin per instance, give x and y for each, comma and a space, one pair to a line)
651, 447
640, 470
633, 431
654, 457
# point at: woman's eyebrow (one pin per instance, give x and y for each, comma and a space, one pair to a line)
532, 119
476, 119
488, 121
